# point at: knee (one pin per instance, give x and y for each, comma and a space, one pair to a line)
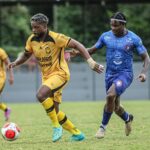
110, 96
41, 97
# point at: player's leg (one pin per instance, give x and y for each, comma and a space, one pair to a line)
77, 135
108, 110
122, 82
125, 116
6, 110
46, 96
3, 106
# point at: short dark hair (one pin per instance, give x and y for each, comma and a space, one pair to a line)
40, 18
118, 16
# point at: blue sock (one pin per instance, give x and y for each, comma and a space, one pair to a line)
125, 116
106, 117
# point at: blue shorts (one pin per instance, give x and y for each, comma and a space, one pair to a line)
121, 80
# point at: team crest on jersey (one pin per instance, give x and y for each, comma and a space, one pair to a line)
119, 83
128, 47
48, 50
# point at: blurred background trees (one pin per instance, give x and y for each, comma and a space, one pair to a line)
81, 22
14, 28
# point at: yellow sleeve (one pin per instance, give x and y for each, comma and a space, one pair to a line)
62, 40
3, 54
28, 46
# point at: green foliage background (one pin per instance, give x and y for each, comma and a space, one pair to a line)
14, 28
84, 23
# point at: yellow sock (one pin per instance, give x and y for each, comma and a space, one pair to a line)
48, 105
67, 124
3, 106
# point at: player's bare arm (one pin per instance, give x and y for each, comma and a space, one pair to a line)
146, 60
10, 71
78, 46
21, 59
92, 50
74, 52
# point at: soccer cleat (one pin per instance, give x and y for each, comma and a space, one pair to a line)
78, 137
7, 114
57, 134
100, 133
128, 123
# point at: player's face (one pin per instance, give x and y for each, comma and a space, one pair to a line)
117, 27
38, 29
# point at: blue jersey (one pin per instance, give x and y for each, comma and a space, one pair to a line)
119, 51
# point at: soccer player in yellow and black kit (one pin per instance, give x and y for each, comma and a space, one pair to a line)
4, 61
48, 48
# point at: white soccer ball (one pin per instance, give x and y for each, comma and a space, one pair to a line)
10, 131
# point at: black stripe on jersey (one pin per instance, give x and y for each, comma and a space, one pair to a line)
61, 53
48, 38
54, 90
60, 56
1, 63
34, 38
63, 121
2, 88
50, 109
26, 51
68, 41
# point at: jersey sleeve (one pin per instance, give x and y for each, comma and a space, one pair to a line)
3, 54
62, 40
100, 42
139, 45
28, 46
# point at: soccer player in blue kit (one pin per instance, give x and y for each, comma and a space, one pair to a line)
119, 43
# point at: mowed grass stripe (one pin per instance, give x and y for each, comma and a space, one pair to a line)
36, 129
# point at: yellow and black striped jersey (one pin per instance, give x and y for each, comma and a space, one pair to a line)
49, 53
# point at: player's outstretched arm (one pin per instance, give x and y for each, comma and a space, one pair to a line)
10, 71
146, 60
92, 64
21, 59
74, 52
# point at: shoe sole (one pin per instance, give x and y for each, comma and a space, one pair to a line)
99, 137
56, 140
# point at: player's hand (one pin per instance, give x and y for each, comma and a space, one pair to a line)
98, 68
142, 77
67, 56
95, 66
73, 53
12, 65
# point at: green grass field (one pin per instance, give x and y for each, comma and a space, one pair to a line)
36, 129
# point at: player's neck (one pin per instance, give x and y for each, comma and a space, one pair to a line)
122, 33
43, 36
